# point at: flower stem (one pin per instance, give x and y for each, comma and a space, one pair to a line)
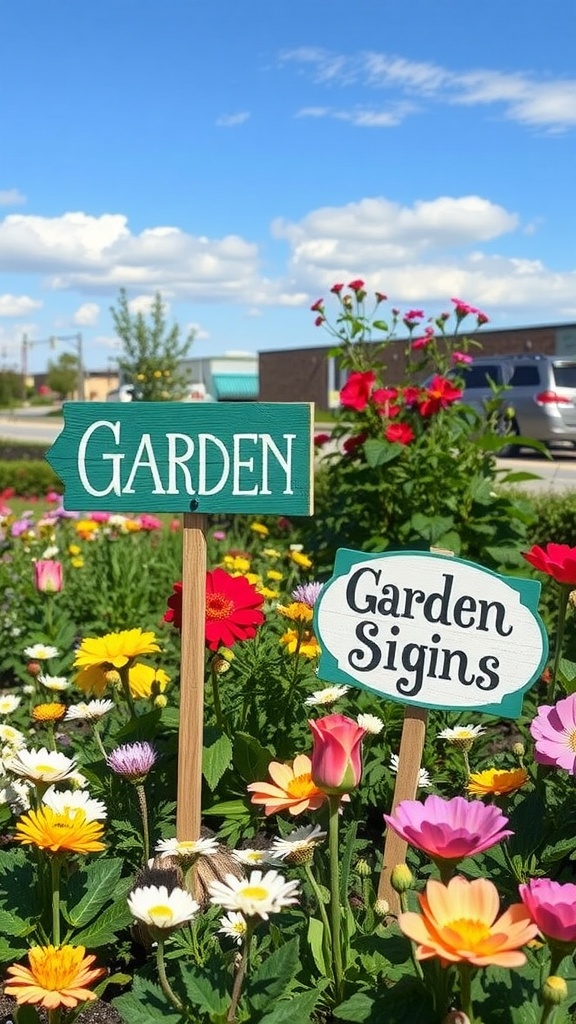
98, 738
565, 590
164, 983
326, 934
465, 972
143, 807
124, 679
55, 880
55, 1015
220, 720
335, 907
240, 973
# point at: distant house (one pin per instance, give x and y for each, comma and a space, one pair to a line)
231, 377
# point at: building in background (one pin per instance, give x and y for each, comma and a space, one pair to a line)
231, 377
313, 375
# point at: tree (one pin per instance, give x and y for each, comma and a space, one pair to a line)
10, 387
151, 354
62, 376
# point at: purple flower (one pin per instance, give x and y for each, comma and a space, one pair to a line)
448, 830
132, 761
307, 593
554, 730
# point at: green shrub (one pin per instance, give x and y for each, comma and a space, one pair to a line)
29, 479
555, 518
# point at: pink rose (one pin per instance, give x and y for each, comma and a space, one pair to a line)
336, 754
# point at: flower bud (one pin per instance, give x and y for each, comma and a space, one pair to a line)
381, 908
113, 677
336, 754
401, 878
220, 665
363, 868
519, 750
160, 701
554, 990
33, 668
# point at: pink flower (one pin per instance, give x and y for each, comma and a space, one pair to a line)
462, 309
552, 905
556, 560
48, 576
356, 286
419, 343
380, 297
319, 321
357, 390
317, 306
336, 288
481, 318
554, 732
53, 498
414, 314
449, 830
337, 753
399, 433
460, 358
148, 522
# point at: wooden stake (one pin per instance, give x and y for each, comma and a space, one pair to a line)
406, 788
192, 668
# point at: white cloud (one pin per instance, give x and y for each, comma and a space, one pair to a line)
232, 120
17, 305
11, 197
87, 314
362, 117
143, 304
525, 98
200, 333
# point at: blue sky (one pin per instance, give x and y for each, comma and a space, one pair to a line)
242, 156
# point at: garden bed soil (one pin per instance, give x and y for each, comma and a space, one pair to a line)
98, 1012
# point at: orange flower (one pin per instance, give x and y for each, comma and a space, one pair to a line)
497, 781
458, 924
306, 644
48, 712
297, 611
294, 790
56, 977
54, 832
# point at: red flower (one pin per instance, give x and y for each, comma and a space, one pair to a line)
320, 439
232, 609
357, 390
319, 321
399, 433
482, 318
350, 445
462, 309
438, 395
419, 343
383, 398
336, 288
412, 395
556, 560
356, 286
380, 297
318, 306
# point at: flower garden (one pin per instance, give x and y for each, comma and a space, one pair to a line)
274, 913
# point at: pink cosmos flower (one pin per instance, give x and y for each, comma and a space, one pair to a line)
552, 905
48, 577
337, 753
449, 830
554, 732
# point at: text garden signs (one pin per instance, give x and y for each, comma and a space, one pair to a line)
182, 457
197, 459
429, 631
432, 631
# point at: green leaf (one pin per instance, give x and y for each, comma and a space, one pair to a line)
450, 541
358, 1008
27, 1015
518, 478
431, 528
378, 453
296, 1010
95, 885
205, 990
380, 325
11, 924
315, 935
228, 809
274, 975
145, 1004
251, 759
216, 760
105, 928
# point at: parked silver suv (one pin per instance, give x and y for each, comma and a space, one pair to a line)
540, 394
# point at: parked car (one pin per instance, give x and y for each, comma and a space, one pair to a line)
125, 393
540, 394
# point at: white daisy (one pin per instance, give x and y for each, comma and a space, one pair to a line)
424, 780
41, 765
186, 847
8, 703
326, 696
234, 926
252, 857
72, 800
461, 732
50, 552
371, 723
13, 738
89, 711
299, 840
155, 906
260, 895
41, 652
17, 795
77, 779
56, 683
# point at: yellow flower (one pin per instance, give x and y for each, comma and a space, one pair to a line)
77, 563
53, 831
157, 374
145, 681
56, 977
236, 563
301, 559
308, 646
497, 781
269, 594
260, 529
272, 553
140, 376
74, 549
131, 526
97, 655
86, 528
297, 611
274, 575
48, 712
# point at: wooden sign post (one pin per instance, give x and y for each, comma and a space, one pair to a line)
428, 631
233, 457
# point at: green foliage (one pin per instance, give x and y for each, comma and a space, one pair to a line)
151, 353
62, 376
555, 518
10, 388
28, 478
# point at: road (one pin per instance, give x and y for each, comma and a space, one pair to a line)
557, 474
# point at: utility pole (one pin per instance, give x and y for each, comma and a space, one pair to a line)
70, 339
